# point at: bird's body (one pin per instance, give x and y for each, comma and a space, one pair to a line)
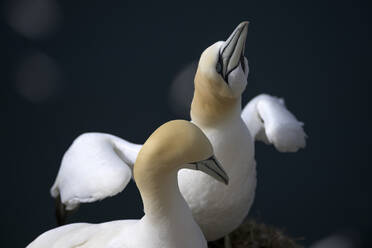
234, 148
83, 235
146, 232
168, 221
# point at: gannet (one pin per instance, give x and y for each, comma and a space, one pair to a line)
220, 80
168, 221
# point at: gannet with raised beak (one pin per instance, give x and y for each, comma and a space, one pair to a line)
168, 221
220, 80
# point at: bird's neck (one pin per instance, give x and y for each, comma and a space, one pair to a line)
208, 109
161, 196
168, 219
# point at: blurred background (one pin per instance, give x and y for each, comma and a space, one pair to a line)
69, 67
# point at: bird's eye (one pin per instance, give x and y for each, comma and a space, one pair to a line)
219, 66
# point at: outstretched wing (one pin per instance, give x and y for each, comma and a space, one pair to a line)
96, 166
270, 121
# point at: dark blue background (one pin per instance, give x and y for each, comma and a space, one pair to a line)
118, 60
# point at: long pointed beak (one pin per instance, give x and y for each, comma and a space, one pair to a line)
212, 167
232, 51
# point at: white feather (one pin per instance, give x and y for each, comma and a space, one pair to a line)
96, 166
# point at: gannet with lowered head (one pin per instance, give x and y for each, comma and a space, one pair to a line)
168, 221
220, 80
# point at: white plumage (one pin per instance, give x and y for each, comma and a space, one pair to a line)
270, 121
86, 173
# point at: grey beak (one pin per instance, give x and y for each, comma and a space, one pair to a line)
232, 51
212, 167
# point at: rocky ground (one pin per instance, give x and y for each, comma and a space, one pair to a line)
253, 234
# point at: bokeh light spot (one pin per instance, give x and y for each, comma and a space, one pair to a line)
182, 90
33, 18
37, 77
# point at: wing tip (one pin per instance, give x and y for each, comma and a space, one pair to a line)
63, 211
60, 211
287, 137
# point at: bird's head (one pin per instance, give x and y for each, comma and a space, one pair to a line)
222, 72
175, 145
223, 66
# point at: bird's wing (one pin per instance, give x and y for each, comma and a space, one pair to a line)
270, 121
96, 166
53, 237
